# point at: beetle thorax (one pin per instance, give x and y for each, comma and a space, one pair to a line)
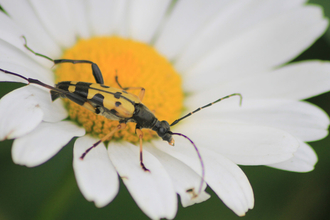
143, 117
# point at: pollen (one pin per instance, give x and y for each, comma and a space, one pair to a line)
136, 65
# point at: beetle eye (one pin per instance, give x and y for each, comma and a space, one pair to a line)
162, 130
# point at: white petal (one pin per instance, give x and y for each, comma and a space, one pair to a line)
26, 18
18, 55
61, 27
243, 144
270, 44
145, 17
295, 81
121, 18
12, 34
13, 55
304, 160
152, 191
53, 111
229, 182
20, 113
187, 17
301, 119
184, 178
44, 142
232, 21
225, 178
107, 17
96, 176
78, 10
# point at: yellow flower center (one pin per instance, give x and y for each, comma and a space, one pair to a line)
137, 65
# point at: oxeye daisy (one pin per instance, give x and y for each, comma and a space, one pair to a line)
185, 54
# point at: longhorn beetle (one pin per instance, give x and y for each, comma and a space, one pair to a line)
115, 104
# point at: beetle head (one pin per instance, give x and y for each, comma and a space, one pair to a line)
163, 130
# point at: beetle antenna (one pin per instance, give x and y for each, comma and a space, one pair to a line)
29, 80
208, 105
37, 82
199, 156
15, 74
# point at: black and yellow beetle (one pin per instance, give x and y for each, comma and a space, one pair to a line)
115, 104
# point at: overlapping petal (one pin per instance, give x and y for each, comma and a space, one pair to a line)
23, 71
243, 144
20, 113
61, 28
53, 111
96, 176
145, 17
266, 46
152, 191
295, 81
187, 17
186, 182
301, 119
236, 18
25, 17
79, 17
107, 17
44, 142
304, 160
225, 178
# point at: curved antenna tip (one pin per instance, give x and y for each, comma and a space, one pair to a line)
200, 159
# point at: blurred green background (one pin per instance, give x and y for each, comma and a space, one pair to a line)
50, 191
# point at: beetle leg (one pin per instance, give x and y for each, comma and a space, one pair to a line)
140, 134
120, 126
96, 70
142, 90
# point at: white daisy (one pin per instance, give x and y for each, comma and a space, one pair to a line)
215, 47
